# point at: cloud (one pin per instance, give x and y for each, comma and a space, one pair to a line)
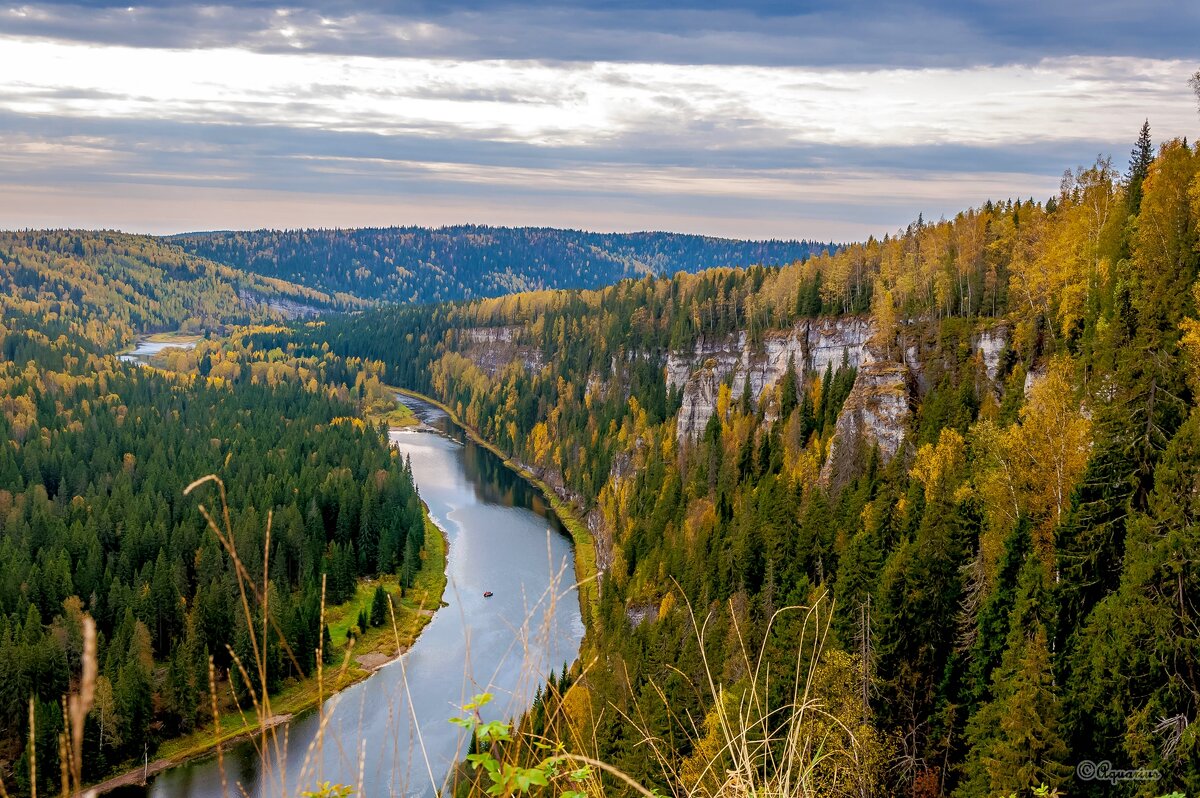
836, 120
710, 107
105, 172
854, 33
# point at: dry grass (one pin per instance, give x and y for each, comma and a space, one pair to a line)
817, 742
745, 747
269, 739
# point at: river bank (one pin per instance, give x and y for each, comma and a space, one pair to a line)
510, 623
372, 650
586, 570
146, 347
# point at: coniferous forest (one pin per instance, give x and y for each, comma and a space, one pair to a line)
420, 264
94, 517
915, 516
1011, 589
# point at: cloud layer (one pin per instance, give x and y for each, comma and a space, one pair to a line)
607, 116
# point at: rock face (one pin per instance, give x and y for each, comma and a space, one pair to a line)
875, 414
288, 308
879, 408
493, 348
814, 344
990, 344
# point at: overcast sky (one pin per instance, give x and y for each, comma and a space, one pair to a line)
827, 120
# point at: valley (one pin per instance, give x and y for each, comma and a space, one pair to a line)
909, 516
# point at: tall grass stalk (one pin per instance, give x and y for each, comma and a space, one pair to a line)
764, 751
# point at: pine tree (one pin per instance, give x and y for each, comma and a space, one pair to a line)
412, 562
808, 419
823, 406
167, 609
134, 692
327, 653
1146, 633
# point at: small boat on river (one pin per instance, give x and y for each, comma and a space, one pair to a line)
487, 594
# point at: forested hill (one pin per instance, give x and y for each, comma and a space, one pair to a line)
95, 454
420, 264
103, 288
970, 451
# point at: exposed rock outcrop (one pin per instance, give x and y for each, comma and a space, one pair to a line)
493, 348
813, 344
638, 614
990, 344
879, 408
288, 308
1033, 376
875, 414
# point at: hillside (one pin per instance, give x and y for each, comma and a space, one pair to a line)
969, 451
95, 524
104, 288
418, 264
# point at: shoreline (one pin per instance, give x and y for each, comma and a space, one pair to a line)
303, 694
586, 572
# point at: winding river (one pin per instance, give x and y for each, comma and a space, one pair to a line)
144, 351
390, 734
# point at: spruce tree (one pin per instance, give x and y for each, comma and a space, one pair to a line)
788, 390
1145, 633
1140, 159
379, 607
326, 646
1015, 742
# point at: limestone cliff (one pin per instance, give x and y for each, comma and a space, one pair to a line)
875, 414
493, 348
990, 344
813, 344
880, 406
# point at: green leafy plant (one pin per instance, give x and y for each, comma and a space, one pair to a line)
327, 790
510, 778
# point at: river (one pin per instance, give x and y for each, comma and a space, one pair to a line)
144, 351
504, 539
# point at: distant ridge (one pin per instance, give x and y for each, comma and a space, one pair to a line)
100, 289
423, 264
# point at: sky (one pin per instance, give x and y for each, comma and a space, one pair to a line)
765, 119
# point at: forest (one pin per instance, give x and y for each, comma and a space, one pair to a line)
421, 264
999, 583
1013, 591
97, 455
104, 288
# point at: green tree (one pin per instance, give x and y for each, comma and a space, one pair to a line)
788, 389
134, 692
1139, 166
1015, 740
379, 607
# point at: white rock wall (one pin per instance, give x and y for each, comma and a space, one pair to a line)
814, 344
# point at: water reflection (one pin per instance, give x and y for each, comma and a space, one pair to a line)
393, 728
